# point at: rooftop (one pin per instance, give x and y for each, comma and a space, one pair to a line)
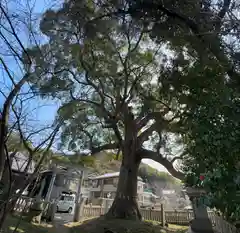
20, 161
109, 175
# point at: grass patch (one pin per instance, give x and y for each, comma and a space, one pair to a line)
123, 226
177, 227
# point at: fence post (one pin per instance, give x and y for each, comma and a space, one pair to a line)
78, 213
188, 218
101, 209
90, 210
163, 215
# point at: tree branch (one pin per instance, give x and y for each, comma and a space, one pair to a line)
147, 133
110, 146
176, 158
222, 14
224, 9
4, 119
147, 154
212, 47
15, 34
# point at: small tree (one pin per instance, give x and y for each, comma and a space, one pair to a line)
35, 152
13, 59
15, 63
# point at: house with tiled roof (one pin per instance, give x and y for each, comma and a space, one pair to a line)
105, 186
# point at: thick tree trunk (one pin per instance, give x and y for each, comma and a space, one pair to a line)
125, 204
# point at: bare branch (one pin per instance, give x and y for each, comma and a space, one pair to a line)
110, 146
7, 71
14, 33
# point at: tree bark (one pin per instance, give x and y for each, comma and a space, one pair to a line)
148, 154
125, 204
4, 120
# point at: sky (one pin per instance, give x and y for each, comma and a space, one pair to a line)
42, 111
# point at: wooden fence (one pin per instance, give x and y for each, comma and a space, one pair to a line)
23, 204
223, 226
179, 217
174, 217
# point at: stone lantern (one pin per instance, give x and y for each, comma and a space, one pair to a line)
201, 223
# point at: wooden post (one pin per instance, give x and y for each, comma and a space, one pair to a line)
163, 215
78, 200
78, 215
101, 208
54, 173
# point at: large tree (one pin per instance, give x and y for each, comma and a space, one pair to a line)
115, 88
211, 30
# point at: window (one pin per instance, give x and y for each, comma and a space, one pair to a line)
95, 183
112, 195
105, 195
86, 183
96, 194
68, 198
60, 180
115, 182
108, 181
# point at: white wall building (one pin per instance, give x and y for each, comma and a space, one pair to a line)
105, 186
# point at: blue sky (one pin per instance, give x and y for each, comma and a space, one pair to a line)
42, 111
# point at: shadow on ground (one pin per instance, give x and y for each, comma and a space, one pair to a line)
101, 225
17, 225
96, 225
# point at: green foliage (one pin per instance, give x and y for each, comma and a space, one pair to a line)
74, 160
96, 68
60, 159
14, 143
88, 161
212, 143
151, 174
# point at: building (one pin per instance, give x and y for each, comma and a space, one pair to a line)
96, 188
168, 192
21, 168
66, 181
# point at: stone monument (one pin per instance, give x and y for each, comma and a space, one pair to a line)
201, 223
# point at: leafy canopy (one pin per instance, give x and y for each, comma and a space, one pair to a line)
105, 71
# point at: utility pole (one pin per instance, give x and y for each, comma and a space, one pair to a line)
78, 198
